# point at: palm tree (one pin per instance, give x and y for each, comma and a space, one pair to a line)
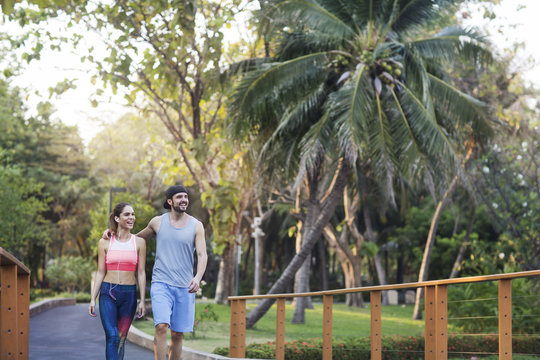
355, 83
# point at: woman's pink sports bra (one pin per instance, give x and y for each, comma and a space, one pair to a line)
122, 256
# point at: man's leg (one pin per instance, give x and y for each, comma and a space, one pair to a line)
175, 351
160, 342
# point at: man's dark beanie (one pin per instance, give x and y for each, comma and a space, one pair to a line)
175, 189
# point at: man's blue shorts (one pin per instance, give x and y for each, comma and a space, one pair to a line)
174, 306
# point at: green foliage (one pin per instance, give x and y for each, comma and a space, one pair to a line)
140, 142
41, 294
474, 307
393, 348
361, 83
506, 179
70, 273
21, 208
202, 318
222, 204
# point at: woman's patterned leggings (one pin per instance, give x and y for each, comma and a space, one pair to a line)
117, 306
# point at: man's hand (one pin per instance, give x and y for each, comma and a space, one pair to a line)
107, 234
193, 285
141, 309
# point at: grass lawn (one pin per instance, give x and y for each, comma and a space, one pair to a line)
347, 322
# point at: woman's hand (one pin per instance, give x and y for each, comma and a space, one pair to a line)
92, 308
141, 309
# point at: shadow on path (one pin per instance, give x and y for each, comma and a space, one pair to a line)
68, 332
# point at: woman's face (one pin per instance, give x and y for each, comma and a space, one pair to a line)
126, 218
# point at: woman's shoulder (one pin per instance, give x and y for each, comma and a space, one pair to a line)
104, 243
139, 240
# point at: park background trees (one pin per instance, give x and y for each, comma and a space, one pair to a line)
347, 138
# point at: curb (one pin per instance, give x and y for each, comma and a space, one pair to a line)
47, 304
145, 340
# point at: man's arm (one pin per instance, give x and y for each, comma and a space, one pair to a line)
202, 257
150, 230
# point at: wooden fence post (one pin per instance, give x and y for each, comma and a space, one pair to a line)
375, 336
237, 344
9, 341
280, 329
429, 321
505, 319
327, 326
441, 322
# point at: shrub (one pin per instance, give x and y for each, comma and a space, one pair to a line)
202, 318
481, 316
36, 293
70, 274
393, 348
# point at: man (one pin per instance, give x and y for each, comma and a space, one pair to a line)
178, 235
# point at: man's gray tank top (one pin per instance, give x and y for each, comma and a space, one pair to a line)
174, 253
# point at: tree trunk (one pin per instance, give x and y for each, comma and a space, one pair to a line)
302, 285
302, 277
322, 265
423, 275
371, 236
310, 239
424, 268
464, 244
225, 283
344, 261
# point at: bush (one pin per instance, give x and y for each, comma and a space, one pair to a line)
36, 293
202, 317
70, 274
481, 316
41, 294
393, 348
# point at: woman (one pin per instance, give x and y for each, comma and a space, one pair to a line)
118, 259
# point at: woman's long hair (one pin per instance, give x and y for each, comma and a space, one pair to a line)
113, 225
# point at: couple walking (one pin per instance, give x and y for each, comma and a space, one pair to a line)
121, 254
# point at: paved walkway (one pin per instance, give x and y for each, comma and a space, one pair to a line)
69, 333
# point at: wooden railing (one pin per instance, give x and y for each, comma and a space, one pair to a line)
14, 307
435, 316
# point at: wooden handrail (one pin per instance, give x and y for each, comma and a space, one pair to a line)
413, 285
14, 307
436, 319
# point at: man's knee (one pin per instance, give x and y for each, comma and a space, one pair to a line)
161, 329
176, 336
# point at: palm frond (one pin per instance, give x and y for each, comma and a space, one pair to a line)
296, 120
352, 107
412, 148
244, 66
298, 44
454, 43
415, 72
317, 140
255, 98
414, 13
460, 107
315, 17
423, 123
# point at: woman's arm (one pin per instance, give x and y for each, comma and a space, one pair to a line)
141, 276
100, 275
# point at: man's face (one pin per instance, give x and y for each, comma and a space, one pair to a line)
179, 202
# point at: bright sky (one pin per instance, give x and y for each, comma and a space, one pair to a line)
516, 22
74, 107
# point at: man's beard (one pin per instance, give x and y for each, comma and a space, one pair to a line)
178, 209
